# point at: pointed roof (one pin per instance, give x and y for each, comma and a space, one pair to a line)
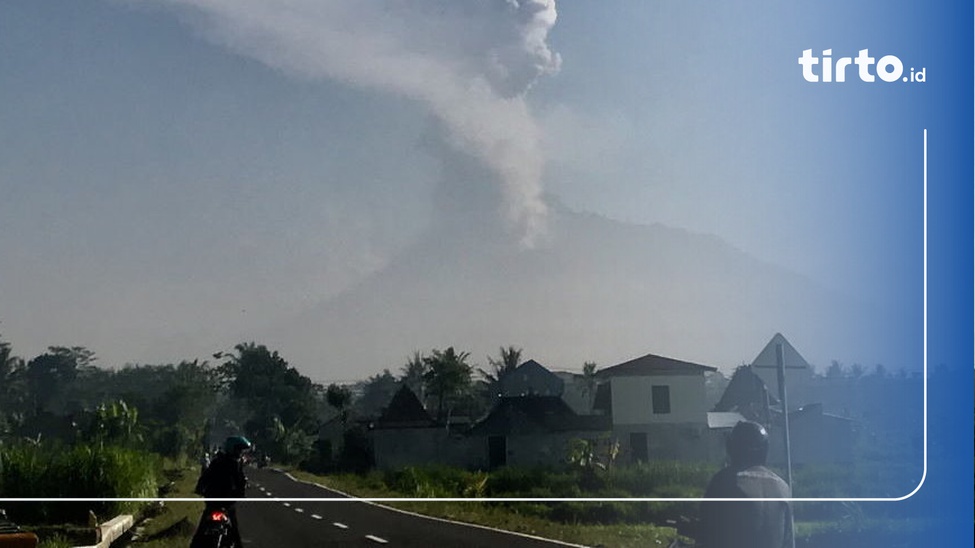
531, 365
746, 393
651, 364
531, 378
790, 356
404, 411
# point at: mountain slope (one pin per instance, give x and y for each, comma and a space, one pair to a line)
594, 290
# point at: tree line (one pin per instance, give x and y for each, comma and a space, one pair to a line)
181, 410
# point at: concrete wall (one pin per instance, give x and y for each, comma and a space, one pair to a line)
400, 447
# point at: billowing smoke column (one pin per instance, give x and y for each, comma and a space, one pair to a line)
470, 62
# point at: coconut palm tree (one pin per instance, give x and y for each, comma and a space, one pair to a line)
448, 376
412, 376
509, 360
12, 387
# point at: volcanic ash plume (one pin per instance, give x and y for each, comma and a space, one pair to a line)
469, 62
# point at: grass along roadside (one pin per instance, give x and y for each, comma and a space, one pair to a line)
171, 524
850, 524
503, 516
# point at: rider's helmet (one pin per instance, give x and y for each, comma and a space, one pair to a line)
237, 445
748, 444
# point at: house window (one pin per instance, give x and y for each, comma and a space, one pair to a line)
660, 396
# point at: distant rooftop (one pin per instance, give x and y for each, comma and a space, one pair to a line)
651, 364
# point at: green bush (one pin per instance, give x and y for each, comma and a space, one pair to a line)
436, 481
83, 471
531, 481
657, 478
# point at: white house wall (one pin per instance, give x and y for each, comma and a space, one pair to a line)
632, 403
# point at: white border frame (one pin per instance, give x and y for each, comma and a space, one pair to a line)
350, 498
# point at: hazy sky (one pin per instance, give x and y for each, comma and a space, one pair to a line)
181, 170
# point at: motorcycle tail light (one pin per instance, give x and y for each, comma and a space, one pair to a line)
218, 515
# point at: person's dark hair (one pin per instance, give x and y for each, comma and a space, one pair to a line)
748, 444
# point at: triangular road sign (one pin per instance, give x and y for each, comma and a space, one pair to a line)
790, 356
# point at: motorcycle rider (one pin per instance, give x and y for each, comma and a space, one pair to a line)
747, 524
224, 478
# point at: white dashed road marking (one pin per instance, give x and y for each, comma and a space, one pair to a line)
340, 525
299, 510
288, 504
376, 539
316, 516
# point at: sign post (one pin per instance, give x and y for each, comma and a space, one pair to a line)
780, 355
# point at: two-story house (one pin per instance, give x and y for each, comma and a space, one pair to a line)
658, 408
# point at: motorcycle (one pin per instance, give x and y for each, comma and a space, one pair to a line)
215, 530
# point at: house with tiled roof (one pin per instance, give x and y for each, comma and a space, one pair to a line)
657, 407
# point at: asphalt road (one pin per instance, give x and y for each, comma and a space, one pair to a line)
269, 523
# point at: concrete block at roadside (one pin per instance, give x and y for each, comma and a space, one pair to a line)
111, 530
